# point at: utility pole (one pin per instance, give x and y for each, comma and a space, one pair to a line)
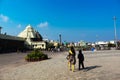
60, 39
114, 18
0, 29
97, 39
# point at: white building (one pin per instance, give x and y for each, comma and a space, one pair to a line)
112, 42
82, 43
33, 38
101, 43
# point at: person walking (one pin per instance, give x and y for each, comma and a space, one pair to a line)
72, 59
81, 59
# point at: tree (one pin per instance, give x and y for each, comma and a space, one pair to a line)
111, 45
49, 45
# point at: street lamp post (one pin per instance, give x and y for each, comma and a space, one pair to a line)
115, 31
60, 38
0, 29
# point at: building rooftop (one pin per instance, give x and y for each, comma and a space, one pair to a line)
9, 37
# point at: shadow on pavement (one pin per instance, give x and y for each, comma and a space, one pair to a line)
91, 67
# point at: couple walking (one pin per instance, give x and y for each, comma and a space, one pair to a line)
72, 59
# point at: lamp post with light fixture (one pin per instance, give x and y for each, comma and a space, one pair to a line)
114, 18
0, 29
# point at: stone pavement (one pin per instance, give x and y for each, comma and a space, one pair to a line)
100, 65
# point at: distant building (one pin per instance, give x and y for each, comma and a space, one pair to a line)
101, 43
112, 42
76, 44
82, 43
33, 39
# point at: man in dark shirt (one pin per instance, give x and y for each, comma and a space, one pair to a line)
81, 59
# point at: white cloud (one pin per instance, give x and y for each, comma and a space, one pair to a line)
42, 25
4, 18
19, 26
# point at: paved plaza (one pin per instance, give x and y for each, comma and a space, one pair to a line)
99, 65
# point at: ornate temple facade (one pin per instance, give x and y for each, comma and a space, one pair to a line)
33, 38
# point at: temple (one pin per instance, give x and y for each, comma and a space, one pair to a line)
27, 39
33, 38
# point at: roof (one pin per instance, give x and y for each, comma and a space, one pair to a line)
9, 37
35, 39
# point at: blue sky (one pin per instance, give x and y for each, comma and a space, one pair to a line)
75, 20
